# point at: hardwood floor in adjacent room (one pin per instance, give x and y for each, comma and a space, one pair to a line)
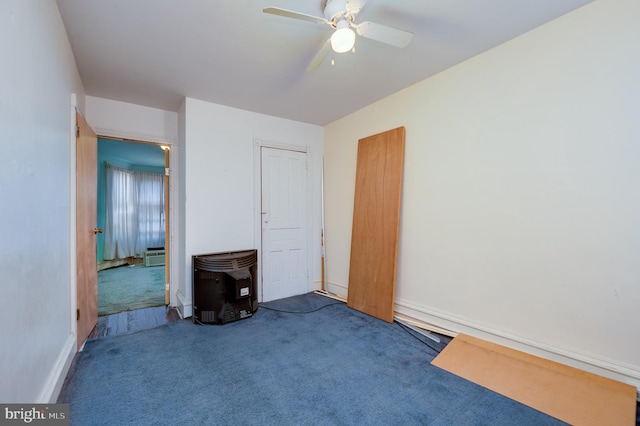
133, 321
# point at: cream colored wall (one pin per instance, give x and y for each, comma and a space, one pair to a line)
520, 213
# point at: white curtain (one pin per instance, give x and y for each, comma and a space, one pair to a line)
134, 218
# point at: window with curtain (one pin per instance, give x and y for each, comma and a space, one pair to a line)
134, 219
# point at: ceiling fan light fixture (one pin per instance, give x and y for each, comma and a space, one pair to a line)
341, 16
343, 39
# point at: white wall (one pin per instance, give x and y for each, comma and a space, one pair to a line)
38, 75
219, 177
128, 121
520, 212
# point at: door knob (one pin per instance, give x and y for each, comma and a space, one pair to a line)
98, 230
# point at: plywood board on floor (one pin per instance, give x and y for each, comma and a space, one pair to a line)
566, 393
376, 222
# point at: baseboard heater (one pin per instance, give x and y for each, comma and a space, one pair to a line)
154, 257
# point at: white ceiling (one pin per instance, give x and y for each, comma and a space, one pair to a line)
156, 52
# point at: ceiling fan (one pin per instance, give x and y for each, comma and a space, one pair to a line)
340, 15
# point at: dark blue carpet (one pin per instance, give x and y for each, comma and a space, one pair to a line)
334, 366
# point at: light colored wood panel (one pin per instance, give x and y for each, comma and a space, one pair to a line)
86, 219
569, 394
376, 222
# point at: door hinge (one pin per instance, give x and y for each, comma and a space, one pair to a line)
77, 314
166, 171
77, 131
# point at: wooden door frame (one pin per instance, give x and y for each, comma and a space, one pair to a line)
167, 227
258, 144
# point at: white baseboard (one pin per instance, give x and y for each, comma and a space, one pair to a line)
53, 385
337, 289
185, 307
614, 370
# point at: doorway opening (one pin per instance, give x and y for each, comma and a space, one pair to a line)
132, 209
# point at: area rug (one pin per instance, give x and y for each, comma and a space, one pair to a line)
130, 287
569, 394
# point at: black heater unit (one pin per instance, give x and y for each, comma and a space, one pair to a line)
224, 286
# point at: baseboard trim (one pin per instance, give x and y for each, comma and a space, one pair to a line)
614, 370
53, 385
185, 307
337, 289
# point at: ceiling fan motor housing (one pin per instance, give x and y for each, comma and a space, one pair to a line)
335, 9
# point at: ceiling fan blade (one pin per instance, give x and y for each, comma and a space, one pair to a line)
295, 15
384, 34
354, 6
322, 53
